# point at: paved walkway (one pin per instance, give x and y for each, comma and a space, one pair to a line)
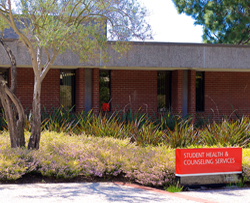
111, 192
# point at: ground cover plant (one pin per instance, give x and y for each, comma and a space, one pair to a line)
67, 156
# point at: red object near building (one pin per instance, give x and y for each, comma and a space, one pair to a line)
105, 107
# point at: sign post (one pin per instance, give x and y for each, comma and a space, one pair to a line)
208, 165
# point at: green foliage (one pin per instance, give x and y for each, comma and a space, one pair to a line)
183, 135
64, 156
3, 25
227, 133
58, 119
102, 126
167, 120
246, 164
14, 163
3, 122
107, 146
67, 156
168, 129
146, 134
239, 183
224, 21
174, 188
80, 26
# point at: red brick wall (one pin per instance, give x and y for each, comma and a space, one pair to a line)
177, 91
95, 90
80, 89
25, 86
50, 95
224, 90
134, 89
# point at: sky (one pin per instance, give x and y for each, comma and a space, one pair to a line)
168, 25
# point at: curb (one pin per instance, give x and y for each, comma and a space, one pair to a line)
186, 197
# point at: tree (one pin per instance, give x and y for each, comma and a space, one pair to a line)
13, 109
51, 27
223, 21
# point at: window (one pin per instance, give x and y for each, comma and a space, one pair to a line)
163, 90
67, 88
5, 73
104, 90
199, 91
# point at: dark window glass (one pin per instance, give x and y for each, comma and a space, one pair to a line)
199, 91
67, 88
5, 73
163, 90
104, 90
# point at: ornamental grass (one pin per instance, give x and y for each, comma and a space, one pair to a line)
139, 128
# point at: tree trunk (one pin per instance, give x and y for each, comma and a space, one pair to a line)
36, 116
14, 114
15, 118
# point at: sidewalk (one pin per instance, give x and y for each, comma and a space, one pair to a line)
111, 192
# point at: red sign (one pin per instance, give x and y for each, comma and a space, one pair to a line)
208, 161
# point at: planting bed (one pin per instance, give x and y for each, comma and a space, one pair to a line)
121, 148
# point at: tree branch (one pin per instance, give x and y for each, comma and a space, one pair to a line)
48, 65
23, 38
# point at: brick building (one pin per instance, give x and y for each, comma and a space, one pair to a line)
185, 78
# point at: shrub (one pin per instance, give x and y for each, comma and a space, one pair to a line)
182, 136
227, 133
246, 164
167, 128
145, 134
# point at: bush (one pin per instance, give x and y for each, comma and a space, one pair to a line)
227, 133
142, 130
182, 136
67, 156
